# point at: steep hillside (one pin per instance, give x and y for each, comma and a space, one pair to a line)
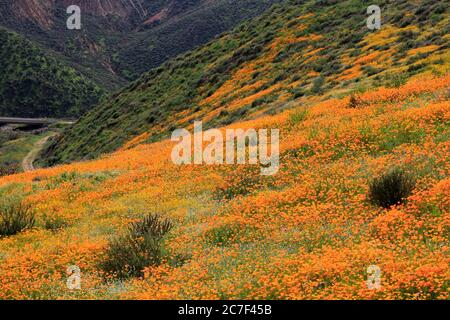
44, 13
33, 83
180, 28
104, 22
296, 52
309, 232
121, 39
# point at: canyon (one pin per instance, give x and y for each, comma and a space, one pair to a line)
121, 39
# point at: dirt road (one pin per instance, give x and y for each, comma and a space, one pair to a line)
27, 163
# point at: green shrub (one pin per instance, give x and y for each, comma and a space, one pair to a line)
370, 70
396, 80
391, 188
299, 116
317, 87
298, 92
140, 247
221, 236
15, 217
54, 223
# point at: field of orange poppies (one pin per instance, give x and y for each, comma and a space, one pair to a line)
308, 232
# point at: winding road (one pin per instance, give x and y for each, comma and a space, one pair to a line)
27, 163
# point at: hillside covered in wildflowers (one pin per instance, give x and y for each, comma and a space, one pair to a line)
357, 208
309, 232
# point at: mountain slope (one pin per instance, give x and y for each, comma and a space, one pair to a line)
34, 83
119, 39
44, 21
187, 28
308, 232
294, 52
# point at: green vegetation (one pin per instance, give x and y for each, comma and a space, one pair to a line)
155, 103
15, 217
391, 188
54, 223
35, 84
140, 247
114, 48
199, 22
14, 146
222, 236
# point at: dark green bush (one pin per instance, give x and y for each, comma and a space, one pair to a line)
391, 188
221, 236
298, 93
140, 247
317, 87
54, 223
15, 217
370, 70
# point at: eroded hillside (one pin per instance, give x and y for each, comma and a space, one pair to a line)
119, 40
